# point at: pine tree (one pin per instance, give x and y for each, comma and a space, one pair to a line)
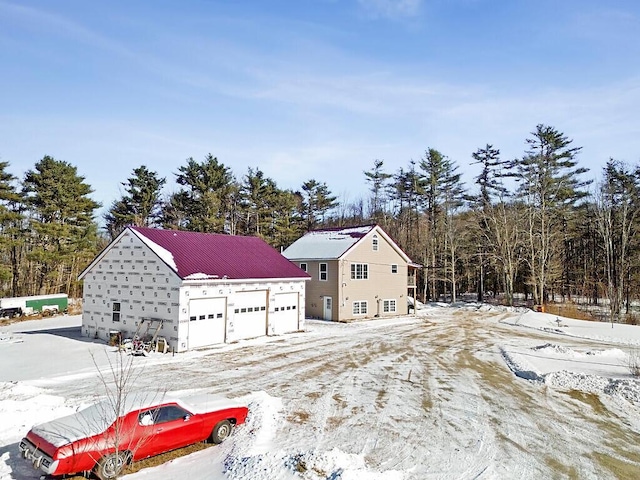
139, 205
205, 200
11, 232
379, 187
498, 232
443, 195
318, 201
549, 185
61, 217
617, 213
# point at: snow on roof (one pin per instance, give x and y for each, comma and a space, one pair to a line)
199, 256
165, 255
326, 244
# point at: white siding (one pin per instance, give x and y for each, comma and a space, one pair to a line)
131, 274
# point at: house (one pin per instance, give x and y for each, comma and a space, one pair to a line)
199, 289
356, 272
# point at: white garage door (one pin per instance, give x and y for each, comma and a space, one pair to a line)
284, 318
207, 320
250, 314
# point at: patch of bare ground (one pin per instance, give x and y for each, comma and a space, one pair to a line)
590, 399
158, 459
562, 470
299, 417
619, 467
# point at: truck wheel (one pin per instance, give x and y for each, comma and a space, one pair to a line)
221, 431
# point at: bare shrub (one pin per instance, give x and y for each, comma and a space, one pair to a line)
633, 361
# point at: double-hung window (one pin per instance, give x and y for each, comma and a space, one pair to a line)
323, 272
359, 271
115, 314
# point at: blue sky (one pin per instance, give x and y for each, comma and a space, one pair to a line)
308, 89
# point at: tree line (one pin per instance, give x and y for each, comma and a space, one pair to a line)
532, 227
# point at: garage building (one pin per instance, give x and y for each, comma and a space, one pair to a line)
203, 289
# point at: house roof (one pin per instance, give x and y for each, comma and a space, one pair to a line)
198, 256
328, 244
333, 243
194, 255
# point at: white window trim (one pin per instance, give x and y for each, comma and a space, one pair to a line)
374, 243
326, 272
303, 266
386, 305
360, 303
364, 271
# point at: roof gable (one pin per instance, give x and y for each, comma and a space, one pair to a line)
194, 255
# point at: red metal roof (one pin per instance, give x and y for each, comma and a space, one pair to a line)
218, 255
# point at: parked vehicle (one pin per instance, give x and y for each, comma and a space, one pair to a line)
45, 304
97, 439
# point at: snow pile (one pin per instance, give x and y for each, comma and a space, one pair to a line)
542, 366
255, 456
553, 349
550, 348
629, 389
520, 367
22, 406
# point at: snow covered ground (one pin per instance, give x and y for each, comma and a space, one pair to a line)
469, 391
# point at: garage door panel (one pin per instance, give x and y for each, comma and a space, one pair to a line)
285, 312
207, 321
250, 314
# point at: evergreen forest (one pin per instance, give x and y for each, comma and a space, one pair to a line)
533, 228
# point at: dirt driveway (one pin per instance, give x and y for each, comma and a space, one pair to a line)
429, 396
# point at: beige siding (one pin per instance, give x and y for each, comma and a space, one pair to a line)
381, 284
316, 289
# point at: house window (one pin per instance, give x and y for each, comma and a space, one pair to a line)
323, 272
389, 306
359, 271
115, 314
394, 268
360, 307
374, 243
303, 266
